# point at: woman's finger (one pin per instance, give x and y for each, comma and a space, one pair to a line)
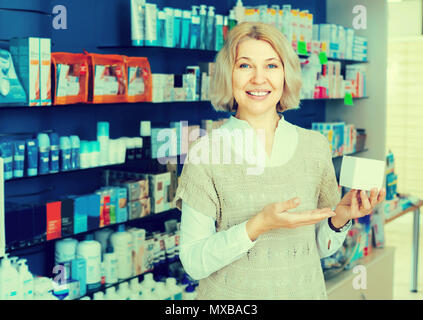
381, 195
373, 197
354, 203
365, 200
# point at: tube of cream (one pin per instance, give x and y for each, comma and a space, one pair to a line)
6, 152
31, 157
150, 24
194, 29
137, 22
43, 153
75, 148
18, 159
54, 152
186, 21
177, 26
65, 154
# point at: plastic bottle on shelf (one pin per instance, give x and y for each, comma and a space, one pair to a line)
189, 293
75, 152
103, 236
90, 250
174, 290
110, 265
195, 29
123, 245
65, 252
148, 286
26, 280
203, 27
239, 12
161, 293
14, 262
103, 138
123, 292
210, 29
65, 154
9, 280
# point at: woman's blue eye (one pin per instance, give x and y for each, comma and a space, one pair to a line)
243, 65
272, 66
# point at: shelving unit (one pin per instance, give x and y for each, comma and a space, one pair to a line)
105, 26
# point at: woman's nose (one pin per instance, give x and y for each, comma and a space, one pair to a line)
259, 76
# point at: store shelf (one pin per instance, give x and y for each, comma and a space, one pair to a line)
146, 219
111, 166
350, 154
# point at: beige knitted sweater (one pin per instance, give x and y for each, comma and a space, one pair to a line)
283, 263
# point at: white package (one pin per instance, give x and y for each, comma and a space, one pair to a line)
362, 173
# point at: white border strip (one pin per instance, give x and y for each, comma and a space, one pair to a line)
2, 226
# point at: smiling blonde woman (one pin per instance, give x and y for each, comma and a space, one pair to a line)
262, 236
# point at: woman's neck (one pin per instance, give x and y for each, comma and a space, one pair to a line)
267, 121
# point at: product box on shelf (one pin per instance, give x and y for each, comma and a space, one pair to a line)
108, 80
139, 79
147, 255
54, 220
137, 189
67, 217
12, 92
26, 57
79, 273
139, 208
80, 217
334, 132
159, 191
93, 212
45, 71
138, 239
69, 78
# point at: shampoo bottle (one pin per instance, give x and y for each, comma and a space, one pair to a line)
43, 153
122, 245
110, 265
210, 29
123, 292
18, 159
186, 22
135, 288
26, 280
203, 27
9, 280
148, 285
65, 154
194, 32
231, 20
54, 152
90, 250
111, 294
75, 149
31, 157
103, 139
239, 11
219, 39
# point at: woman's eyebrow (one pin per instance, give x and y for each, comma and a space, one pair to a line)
268, 59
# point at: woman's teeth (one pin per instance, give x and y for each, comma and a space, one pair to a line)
258, 93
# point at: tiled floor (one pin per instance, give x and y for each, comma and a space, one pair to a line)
398, 234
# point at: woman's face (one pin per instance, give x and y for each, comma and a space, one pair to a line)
257, 77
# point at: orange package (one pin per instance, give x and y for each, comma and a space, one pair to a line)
108, 79
69, 78
139, 79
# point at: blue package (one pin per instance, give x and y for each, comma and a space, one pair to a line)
79, 273
11, 90
75, 149
80, 222
54, 152
43, 153
65, 154
6, 152
121, 206
18, 159
32, 157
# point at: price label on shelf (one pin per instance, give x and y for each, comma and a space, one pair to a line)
348, 99
302, 47
323, 57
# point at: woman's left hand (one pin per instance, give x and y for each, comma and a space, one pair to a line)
356, 204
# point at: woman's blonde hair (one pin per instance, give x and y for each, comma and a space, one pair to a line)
221, 94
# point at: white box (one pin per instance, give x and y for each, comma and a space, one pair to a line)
45, 72
362, 173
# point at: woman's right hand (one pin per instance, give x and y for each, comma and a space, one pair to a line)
276, 215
